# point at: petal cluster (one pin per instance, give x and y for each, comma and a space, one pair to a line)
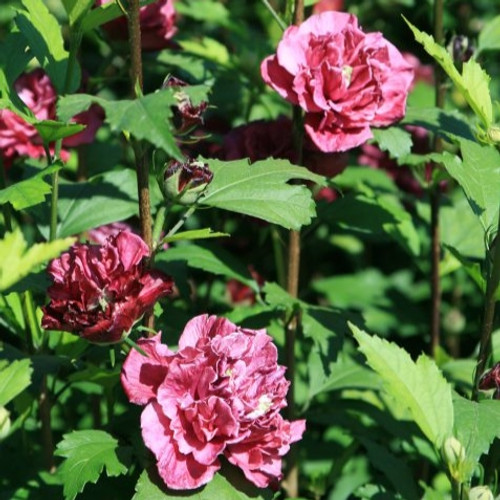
19, 138
346, 80
219, 395
100, 291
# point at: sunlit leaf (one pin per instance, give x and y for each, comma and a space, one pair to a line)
16, 261
14, 378
418, 387
87, 454
489, 36
473, 83
262, 190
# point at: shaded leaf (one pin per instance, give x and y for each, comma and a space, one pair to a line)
76, 9
87, 453
16, 262
473, 83
14, 378
44, 36
51, 130
210, 259
419, 387
476, 426
262, 190
219, 487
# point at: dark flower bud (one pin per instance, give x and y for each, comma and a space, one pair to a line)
187, 114
461, 49
491, 380
184, 182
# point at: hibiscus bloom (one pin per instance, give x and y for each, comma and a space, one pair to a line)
345, 80
219, 395
100, 291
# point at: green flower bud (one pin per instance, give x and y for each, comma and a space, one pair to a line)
184, 182
480, 493
454, 455
494, 134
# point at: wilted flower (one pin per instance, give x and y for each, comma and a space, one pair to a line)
188, 114
157, 21
19, 138
184, 182
100, 291
219, 395
345, 80
491, 380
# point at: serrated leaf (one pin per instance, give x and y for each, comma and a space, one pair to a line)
473, 83
44, 36
476, 426
418, 387
195, 234
29, 192
210, 259
14, 378
145, 118
16, 262
219, 487
262, 190
396, 141
478, 173
489, 37
87, 453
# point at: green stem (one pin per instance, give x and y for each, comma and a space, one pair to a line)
158, 225
435, 195
489, 311
33, 329
275, 15
278, 257
183, 219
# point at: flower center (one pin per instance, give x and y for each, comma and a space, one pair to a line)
265, 402
346, 74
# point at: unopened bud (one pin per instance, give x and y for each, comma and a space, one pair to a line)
188, 114
480, 493
183, 182
4, 423
454, 455
461, 49
493, 134
491, 380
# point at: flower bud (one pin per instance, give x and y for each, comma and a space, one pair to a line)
461, 49
183, 182
4, 423
454, 455
494, 134
187, 114
491, 380
480, 493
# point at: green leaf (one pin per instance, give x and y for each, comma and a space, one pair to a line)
76, 9
473, 83
478, 173
476, 426
87, 453
14, 378
395, 469
219, 487
103, 14
44, 36
195, 234
86, 205
262, 190
396, 141
417, 387
16, 262
29, 192
51, 130
439, 121
210, 259
145, 118
489, 37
